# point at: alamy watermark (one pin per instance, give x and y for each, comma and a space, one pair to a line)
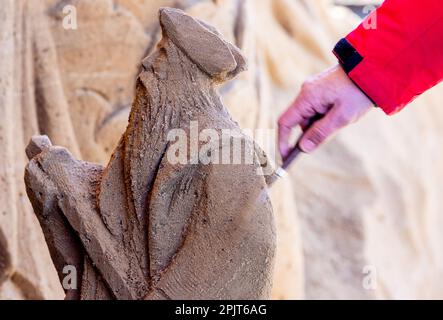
70, 17
370, 277
222, 147
70, 281
370, 22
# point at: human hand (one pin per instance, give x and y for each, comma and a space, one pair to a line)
331, 94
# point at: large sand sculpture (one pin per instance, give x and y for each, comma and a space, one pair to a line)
144, 228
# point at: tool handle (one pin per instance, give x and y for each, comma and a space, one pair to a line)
291, 157
296, 151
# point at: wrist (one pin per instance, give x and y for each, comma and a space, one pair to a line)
348, 59
356, 86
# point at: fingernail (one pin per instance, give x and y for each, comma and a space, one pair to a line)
307, 146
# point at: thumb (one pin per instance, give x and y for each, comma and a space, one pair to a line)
321, 130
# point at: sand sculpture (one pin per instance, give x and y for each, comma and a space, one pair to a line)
143, 228
4, 259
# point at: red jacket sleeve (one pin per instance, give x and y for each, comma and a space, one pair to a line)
396, 53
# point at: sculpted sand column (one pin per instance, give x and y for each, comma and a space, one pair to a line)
29, 86
143, 227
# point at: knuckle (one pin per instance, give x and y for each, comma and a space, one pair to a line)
341, 119
343, 116
307, 86
282, 122
310, 94
318, 134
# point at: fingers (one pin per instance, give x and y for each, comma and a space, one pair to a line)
305, 125
297, 114
330, 93
323, 129
284, 133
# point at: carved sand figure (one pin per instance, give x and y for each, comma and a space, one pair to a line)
144, 228
5, 263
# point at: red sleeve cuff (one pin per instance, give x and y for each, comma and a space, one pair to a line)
399, 57
376, 84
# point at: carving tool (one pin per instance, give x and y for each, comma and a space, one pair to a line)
292, 156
